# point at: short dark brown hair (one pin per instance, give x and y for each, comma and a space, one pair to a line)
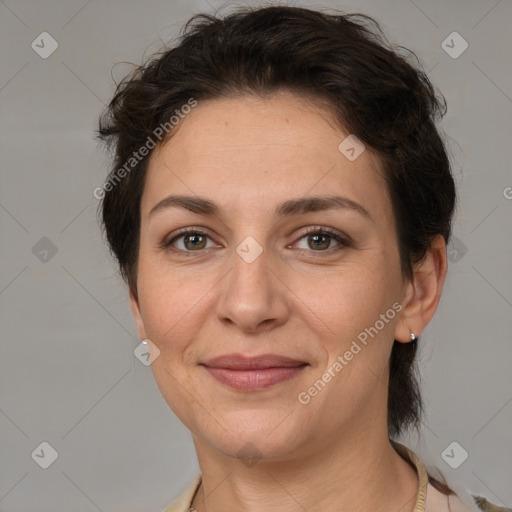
341, 59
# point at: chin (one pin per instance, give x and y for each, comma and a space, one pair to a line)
255, 435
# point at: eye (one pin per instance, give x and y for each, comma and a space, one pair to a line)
320, 238
192, 240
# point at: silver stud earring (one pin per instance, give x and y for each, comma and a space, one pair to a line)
413, 336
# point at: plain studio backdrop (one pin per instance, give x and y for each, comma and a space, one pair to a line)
73, 395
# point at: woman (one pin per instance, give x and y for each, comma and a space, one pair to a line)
279, 205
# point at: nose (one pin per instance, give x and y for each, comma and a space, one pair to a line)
253, 297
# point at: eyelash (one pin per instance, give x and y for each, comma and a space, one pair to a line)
315, 230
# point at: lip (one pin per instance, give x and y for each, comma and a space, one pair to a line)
253, 373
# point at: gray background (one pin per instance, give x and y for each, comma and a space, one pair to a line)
68, 374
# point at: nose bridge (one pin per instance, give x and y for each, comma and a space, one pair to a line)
251, 275
251, 294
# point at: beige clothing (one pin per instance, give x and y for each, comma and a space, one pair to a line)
428, 499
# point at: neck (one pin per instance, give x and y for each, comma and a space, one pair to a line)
357, 474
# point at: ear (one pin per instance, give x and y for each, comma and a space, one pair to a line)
423, 293
134, 306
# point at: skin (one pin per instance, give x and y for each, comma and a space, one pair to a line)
248, 154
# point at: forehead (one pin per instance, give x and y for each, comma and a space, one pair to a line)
277, 126
248, 148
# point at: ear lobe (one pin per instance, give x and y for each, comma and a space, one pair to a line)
423, 292
134, 306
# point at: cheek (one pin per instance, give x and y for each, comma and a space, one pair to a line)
167, 303
361, 312
171, 311
355, 299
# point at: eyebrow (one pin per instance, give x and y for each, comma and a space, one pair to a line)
203, 206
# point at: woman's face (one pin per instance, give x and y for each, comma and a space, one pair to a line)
262, 279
